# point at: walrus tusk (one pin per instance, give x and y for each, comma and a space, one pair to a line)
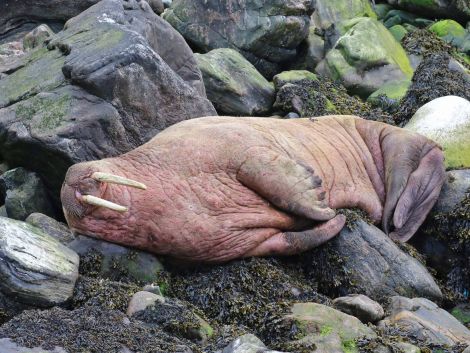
96, 201
115, 179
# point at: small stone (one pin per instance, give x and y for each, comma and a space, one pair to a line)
52, 227
37, 36
141, 300
152, 288
292, 115
360, 306
407, 348
248, 343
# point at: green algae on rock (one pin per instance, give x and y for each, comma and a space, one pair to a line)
366, 57
233, 84
446, 120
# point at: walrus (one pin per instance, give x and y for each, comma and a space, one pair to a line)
218, 188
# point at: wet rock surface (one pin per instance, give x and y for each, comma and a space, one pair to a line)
267, 33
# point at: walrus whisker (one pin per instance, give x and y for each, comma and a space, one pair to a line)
96, 201
115, 179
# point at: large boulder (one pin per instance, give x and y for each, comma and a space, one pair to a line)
366, 57
35, 269
99, 89
362, 259
233, 84
265, 32
456, 9
446, 120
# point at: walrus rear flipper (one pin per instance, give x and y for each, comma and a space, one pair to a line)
288, 184
414, 175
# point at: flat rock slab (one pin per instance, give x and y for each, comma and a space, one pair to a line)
34, 267
112, 79
424, 320
360, 306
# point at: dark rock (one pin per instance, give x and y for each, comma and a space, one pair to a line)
157, 6
462, 313
444, 237
266, 33
115, 262
362, 259
50, 226
427, 86
456, 9
24, 193
234, 85
89, 329
310, 52
176, 317
360, 306
100, 89
35, 269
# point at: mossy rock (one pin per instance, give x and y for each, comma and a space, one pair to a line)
462, 313
328, 12
393, 91
398, 31
293, 76
448, 28
446, 120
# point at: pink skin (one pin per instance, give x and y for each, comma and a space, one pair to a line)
220, 188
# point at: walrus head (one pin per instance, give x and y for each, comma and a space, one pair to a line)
85, 189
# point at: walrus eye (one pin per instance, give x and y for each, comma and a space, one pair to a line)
115, 179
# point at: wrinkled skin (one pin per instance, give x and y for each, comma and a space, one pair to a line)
221, 188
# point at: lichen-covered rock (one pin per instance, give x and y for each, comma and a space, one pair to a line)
329, 330
233, 84
423, 319
44, 271
456, 9
360, 306
51, 227
392, 91
398, 31
115, 262
452, 32
366, 57
23, 193
333, 12
247, 344
267, 33
37, 36
362, 259
115, 76
446, 120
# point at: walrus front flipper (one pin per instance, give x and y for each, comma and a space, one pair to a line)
290, 243
414, 174
288, 184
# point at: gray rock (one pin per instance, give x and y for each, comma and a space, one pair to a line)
34, 267
10, 57
423, 319
467, 350
157, 6
233, 84
3, 211
8, 346
116, 261
247, 344
360, 306
455, 9
37, 37
100, 88
292, 115
152, 288
50, 226
24, 15
267, 33
373, 264
141, 300
24, 193
310, 52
